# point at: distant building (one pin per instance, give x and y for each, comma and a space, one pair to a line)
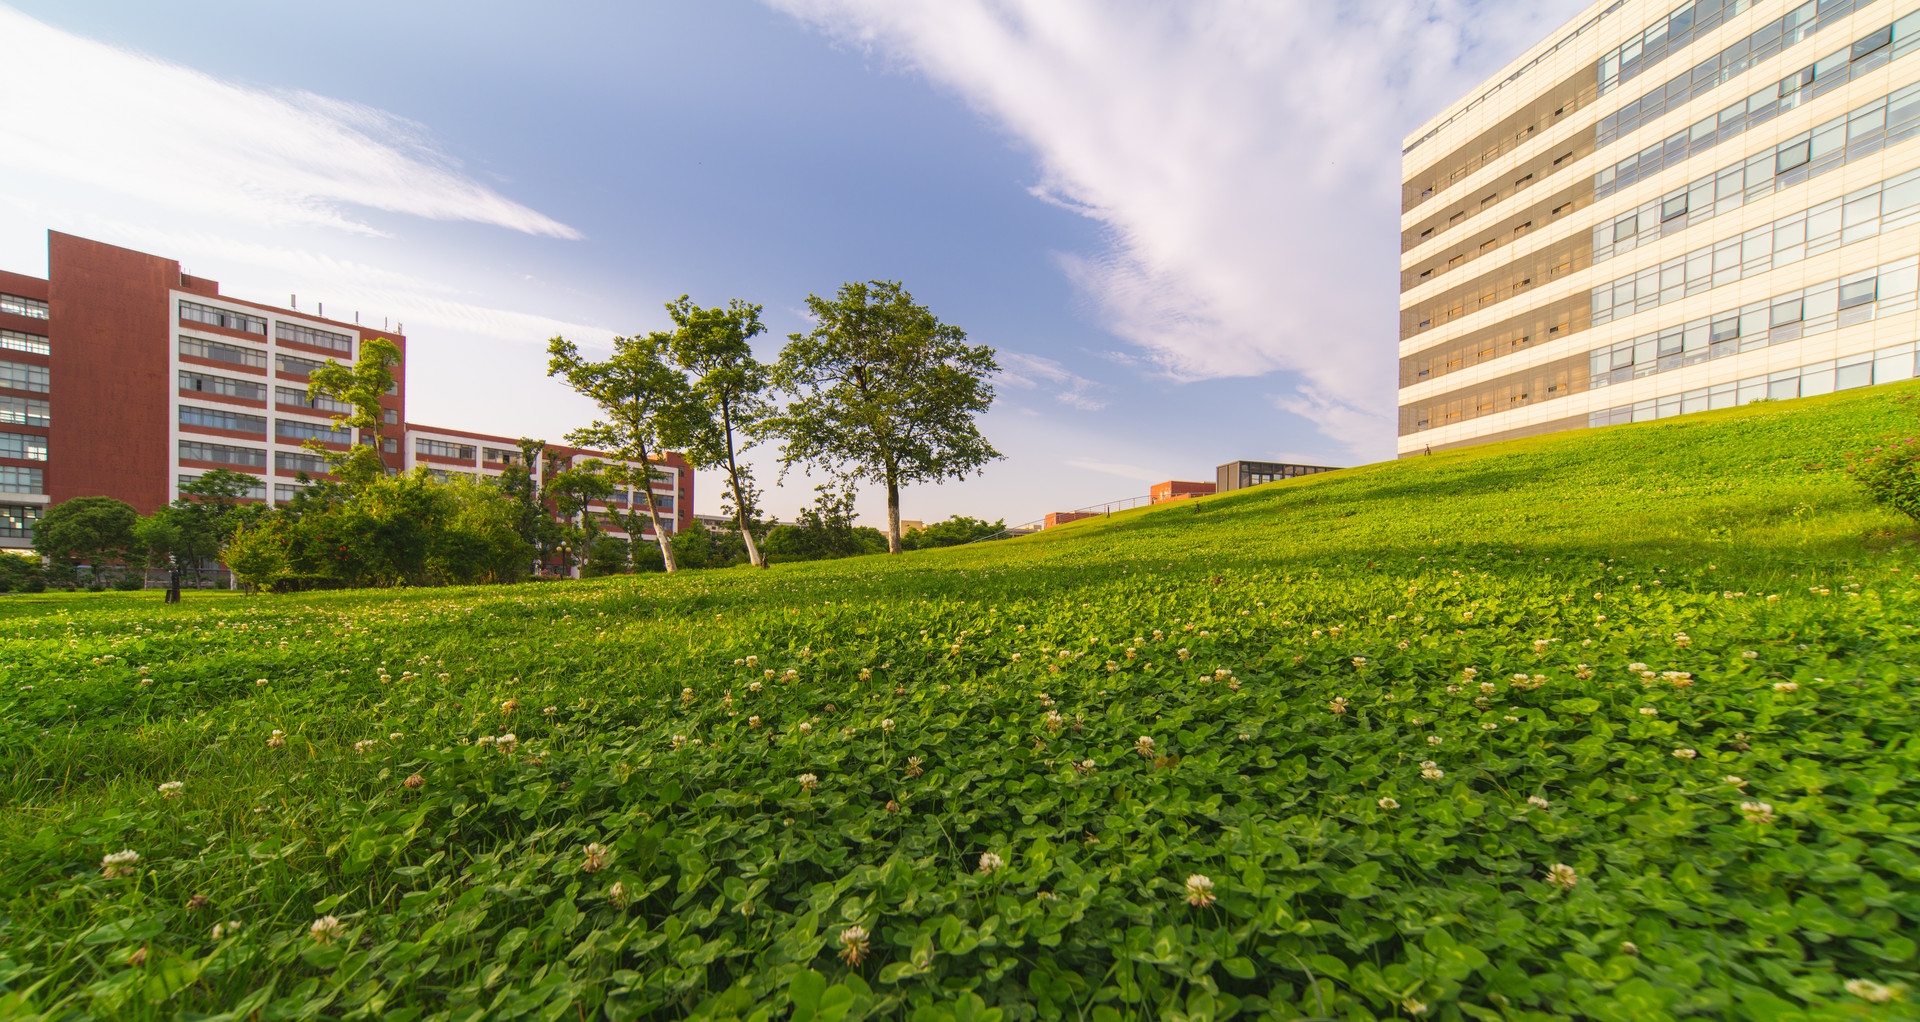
1063, 517
1174, 489
1238, 475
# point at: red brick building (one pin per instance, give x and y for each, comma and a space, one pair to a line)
120, 376
1176, 490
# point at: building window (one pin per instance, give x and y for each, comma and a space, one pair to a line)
23, 411
193, 312
204, 384
392, 417
20, 376
32, 308
494, 457
16, 520
24, 446
283, 492
292, 429
258, 491
14, 479
14, 340
304, 399
442, 449
295, 366
214, 351
292, 461
390, 445
299, 334
211, 418
441, 475
222, 454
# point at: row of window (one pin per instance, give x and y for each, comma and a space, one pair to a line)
215, 351
24, 446
443, 449
32, 308
21, 376
16, 479
1844, 301
14, 340
16, 520
301, 334
1723, 67
1887, 365
203, 383
222, 454
1888, 42
1851, 136
241, 422
319, 403
194, 312
1666, 36
1856, 216
494, 457
1508, 80
258, 491
24, 411
283, 492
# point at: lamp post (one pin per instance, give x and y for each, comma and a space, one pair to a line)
566, 564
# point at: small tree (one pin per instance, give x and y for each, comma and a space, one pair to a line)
87, 530
361, 386
257, 555
643, 402
727, 392
517, 484
196, 526
884, 392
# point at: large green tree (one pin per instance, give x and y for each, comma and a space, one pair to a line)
196, 526
728, 387
643, 403
88, 530
360, 385
884, 392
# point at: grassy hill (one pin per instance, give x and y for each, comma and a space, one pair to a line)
1611, 724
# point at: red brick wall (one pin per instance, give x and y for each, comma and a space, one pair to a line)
1063, 517
110, 333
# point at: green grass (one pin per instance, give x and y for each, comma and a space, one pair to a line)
1495, 599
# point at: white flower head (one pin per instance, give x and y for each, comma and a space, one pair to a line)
1199, 890
120, 863
171, 789
990, 862
1868, 990
1389, 802
808, 782
1562, 876
327, 929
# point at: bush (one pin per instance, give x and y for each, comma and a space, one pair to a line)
34, 584
1890, 473
130, 581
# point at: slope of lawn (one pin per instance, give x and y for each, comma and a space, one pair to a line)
1613, 724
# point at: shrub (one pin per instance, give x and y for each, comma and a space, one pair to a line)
1890, 473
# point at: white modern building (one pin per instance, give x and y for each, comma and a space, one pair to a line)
1664, 208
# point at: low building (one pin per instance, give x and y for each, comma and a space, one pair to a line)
1063, 517
1174, 489
1238, 475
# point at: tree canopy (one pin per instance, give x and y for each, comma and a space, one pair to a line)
88, 530
884, 392
727, 403
360, 385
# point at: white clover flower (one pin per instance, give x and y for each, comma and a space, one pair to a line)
327, 929
1199, 891
120, 863
1649, 711
853, 944
866, 674
506, 742
808, 782
805, 728
509, 706
737, 661
598, 855
754, 687
990, 862
1054, 721
1183, 654
1414, 1007
1338, 705
1684, 753
1389, 803
1628, 947
1758, 812
1868, 990
617, 894
678, 742
767, 674
1431, 770
1434, 739
1488, 688
1084, 767
753, 721
887, 725
1469, 673
1786, 686
1143, 745
1562, 876
171, 789
914, 769
226, 929
753, 661
1359, 661
1750, 655
259, 681
1489, 726
1736, 780
277, 739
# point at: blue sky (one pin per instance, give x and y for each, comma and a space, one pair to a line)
1177, 223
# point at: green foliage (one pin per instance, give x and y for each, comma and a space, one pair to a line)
362, 386
953, 532
713, 346
609, 557
88, 530
713, 779
195, 527
1890, 472
644, 405
884, 392
825, 531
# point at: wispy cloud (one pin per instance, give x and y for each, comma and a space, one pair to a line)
159, 132
1244, 159
1030, 372
1113, 468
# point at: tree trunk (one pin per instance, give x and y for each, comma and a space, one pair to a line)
893, 511
739, 499
653, 514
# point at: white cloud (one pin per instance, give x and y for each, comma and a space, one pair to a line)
1028, 372
1243, 157
134, 125
1112, 468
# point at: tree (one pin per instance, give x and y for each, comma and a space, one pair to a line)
87, 530
609, 556
885, 392
955, 531
361, 386
711, 345
643, 403
517, 485
573, 491
196, 526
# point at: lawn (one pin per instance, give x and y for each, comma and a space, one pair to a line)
1613, 724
